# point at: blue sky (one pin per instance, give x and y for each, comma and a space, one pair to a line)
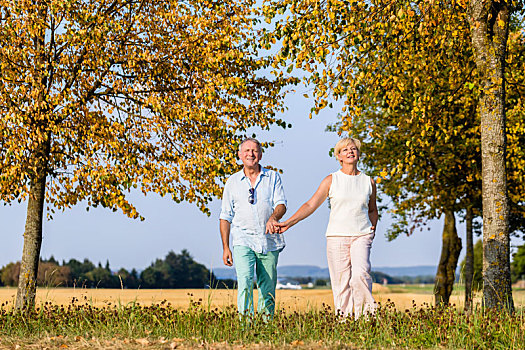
302, 153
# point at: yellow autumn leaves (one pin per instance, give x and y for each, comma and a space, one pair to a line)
410, 88
148, 95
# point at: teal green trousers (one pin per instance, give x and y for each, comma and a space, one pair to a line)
265, 265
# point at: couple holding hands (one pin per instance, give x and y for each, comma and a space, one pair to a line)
253, 203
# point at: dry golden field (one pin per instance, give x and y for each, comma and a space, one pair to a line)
289, 300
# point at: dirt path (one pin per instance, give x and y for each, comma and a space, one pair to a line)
79, 343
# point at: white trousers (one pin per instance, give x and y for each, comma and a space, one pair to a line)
349, 265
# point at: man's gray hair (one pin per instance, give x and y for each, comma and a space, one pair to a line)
253, 140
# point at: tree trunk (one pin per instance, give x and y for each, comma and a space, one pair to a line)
489, 27
25, 297
469, 261
448, 262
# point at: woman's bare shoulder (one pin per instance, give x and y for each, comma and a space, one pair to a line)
326, 183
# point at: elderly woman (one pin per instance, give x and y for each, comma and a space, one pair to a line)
350, 231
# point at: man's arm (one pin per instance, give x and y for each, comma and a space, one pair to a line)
277, 214
224, 227
279, 200
225, 219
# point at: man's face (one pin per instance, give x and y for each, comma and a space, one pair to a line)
250, 155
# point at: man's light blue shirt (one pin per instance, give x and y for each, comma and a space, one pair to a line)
248, 221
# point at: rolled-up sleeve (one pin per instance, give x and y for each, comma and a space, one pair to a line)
278, 192
227, 204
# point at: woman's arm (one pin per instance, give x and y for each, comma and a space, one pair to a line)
372, 206
309, 207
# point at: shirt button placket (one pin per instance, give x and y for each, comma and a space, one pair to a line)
255, 214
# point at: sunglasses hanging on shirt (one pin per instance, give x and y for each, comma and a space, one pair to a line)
251, 198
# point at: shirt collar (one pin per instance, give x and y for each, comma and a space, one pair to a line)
264, 172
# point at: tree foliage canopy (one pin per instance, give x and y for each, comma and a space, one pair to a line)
108, 95
406, 73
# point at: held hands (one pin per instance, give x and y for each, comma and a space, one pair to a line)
277, 227
283, 226
272, 226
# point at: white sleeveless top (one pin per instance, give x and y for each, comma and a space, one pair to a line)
349, 197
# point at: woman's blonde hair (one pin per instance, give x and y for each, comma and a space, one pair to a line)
345, 142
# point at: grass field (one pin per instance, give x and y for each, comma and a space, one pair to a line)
168, 319
292, 300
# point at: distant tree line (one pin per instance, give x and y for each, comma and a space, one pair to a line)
380, 277
174, 271
181, 271
377, 277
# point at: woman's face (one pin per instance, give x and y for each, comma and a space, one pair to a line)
349, 154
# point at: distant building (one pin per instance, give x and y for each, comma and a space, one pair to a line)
287, 284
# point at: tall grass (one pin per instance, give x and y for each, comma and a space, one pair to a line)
418, 327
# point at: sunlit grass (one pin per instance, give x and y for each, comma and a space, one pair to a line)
191, 318
158, 324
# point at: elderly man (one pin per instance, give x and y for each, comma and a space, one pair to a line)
253, 202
